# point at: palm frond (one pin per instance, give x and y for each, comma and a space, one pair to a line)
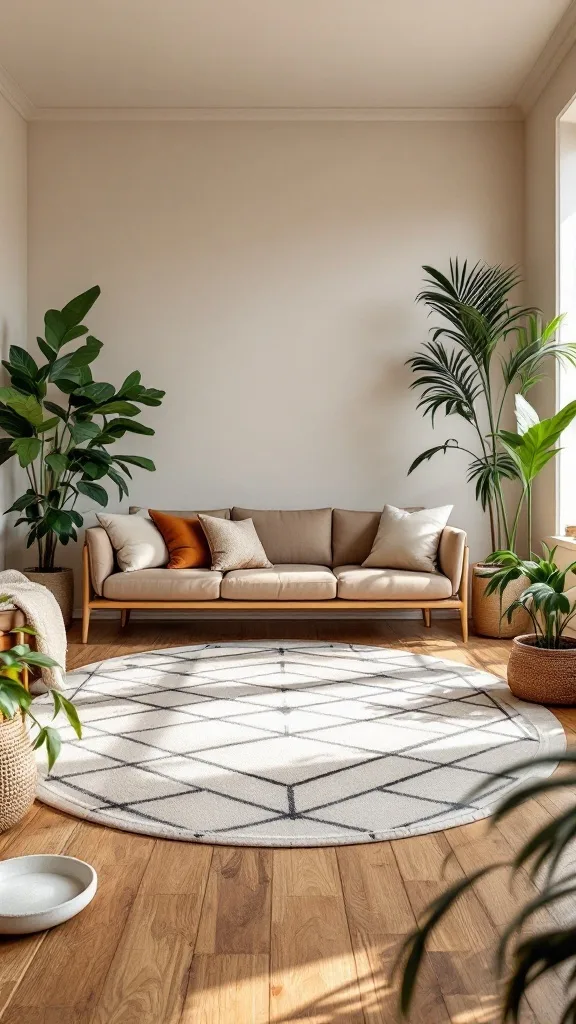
475, 303
449, 379
487, 472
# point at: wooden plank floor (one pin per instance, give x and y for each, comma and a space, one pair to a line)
192, 934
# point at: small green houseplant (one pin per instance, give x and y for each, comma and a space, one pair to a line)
542, 664
17, 763
61, 424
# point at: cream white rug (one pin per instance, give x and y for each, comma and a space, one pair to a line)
290, 744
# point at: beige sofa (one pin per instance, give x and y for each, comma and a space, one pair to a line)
317, 557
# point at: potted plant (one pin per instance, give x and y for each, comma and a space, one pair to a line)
17, 762
484, 349
526, 953
542, 665
63, 444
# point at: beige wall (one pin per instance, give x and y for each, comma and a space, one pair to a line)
12, 265
541, 247
265, 275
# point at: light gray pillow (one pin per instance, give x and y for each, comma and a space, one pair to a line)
137, 542
408, 540
234, 545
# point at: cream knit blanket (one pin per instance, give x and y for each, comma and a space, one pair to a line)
43, 613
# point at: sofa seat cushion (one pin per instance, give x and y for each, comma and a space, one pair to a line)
358, 584
286, 582
164, 585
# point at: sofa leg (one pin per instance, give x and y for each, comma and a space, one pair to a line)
464, 622
124, 617
85, 623
427, 616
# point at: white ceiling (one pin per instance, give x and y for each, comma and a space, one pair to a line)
267, 53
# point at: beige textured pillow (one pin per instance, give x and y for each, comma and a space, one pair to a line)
408, 540
234, 545
137, 542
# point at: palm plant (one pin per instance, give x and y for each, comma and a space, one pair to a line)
482, 337
63, 448
524, 957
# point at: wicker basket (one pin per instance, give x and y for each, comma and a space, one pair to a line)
17, 772
487, 611
541, 675
60, 583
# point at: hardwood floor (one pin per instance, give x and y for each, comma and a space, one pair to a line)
190, 934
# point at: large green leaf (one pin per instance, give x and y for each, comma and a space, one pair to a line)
56, 409
119, 481
97, 392
24, 405
533, 449
94, 491
14, 424
27, 449
22, 361
84, 430
118, 427
117, 407
55, 328
74, 311
136, 460
57, 462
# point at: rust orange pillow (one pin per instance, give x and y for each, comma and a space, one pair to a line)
185, 540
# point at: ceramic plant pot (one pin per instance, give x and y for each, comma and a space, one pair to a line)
60, 583
17, 772
487, 611
541, 675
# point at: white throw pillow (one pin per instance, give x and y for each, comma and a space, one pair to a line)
234, 545
137, 542
408, 540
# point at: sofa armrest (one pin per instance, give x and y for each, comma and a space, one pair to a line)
100, 557
451, 552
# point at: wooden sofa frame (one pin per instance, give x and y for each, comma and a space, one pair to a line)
90, 600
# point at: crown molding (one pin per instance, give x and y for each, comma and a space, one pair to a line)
559, 44
277, 114
16, 96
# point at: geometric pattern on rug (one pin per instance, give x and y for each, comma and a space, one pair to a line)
290, 744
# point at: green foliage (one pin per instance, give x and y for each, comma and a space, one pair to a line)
524, 954
63, 445
544, 598
15, 698
483, 335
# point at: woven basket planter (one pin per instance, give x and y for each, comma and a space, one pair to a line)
541, 675
487, 611
60, 583
17, 772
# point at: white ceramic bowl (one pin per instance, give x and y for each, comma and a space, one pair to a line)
42, 891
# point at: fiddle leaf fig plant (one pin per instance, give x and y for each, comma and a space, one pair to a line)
60, 424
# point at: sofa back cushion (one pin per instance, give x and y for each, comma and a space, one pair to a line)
298, 537
353, 534
218, 513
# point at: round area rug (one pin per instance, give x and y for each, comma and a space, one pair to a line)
290, 744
